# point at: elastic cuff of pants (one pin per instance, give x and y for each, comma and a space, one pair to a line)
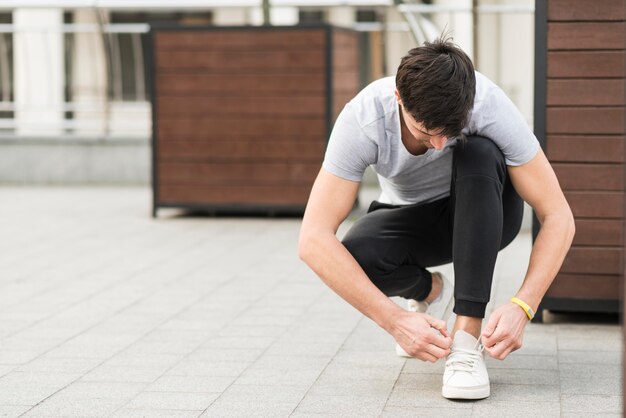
468, 308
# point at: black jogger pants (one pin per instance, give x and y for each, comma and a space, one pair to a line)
482, 215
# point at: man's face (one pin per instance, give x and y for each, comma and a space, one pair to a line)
430, 139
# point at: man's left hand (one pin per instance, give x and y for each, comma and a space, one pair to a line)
504, 331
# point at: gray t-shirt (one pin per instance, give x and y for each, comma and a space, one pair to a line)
367, 132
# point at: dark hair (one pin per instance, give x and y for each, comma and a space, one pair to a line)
437, 85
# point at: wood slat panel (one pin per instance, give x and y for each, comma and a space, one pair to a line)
242, 85
585, 10
586, 64
257, 129
304, 106
249, 63
240, 150
268, 195
239, 173
593, 260
586, 92
591, 148
585, 120
604, 35
590, 176
599, 232
282, 38
596, 204
585, 286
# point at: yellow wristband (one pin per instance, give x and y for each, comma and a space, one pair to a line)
529, 311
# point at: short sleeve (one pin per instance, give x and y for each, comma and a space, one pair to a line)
496, 117
349, 151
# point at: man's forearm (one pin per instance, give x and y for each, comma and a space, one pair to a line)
334, 264
550, 248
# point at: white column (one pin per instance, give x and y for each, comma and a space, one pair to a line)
397, 43
279, 15
344, 16
89, 76
230, 16
38, 66
460, 24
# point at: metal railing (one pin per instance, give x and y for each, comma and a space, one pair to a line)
104, 91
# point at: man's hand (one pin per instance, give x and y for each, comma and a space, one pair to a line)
504, 331
421, 335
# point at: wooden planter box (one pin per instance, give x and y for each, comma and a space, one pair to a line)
241, 115
579, 118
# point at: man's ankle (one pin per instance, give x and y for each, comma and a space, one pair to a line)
469, 324
437, 286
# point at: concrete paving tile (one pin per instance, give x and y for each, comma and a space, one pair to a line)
374, 388
190, 384
155, 413
123, 374
273, 377
524, 376
239, 341
581, 371
590, 357
85, 390
7, 411
91, 407
19, 356
342, 405
425, 396
287, 347
342, 371
291, 363
191, 367
515, 409
226, 354
414, 365
523, 361
593, 404
26, 396
409, 412
539, 344
591, 344
58, 365
594, 385
172, 400
533, 393
36, 379
586, 415
146, 360
247, 409
367, 358
419, 380
260, 393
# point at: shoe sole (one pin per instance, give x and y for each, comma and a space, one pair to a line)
477, 392
400, 352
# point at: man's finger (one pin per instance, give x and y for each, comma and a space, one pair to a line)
491, 326
439, 340
437, 352
425, 356
442, 326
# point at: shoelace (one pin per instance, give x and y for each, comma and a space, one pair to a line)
461, 359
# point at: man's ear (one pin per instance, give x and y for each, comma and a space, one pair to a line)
398, 96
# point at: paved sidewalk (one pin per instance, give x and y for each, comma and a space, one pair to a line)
105, 312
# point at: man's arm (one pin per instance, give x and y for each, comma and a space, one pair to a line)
331, 200
537, 184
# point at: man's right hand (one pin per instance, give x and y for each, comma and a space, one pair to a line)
421, 335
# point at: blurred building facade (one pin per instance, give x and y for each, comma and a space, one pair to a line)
74, 91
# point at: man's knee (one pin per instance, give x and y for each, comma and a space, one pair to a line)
478, 155
364, 252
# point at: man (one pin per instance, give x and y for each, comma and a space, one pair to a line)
454, 159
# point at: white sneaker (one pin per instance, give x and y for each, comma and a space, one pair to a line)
440, 308
465, 376
412, 306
